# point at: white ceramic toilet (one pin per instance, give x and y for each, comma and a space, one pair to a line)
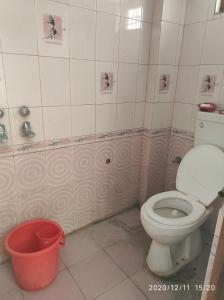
172, 219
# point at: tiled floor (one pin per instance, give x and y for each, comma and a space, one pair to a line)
106, 261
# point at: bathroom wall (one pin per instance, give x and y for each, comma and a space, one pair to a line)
166, 40
83, 163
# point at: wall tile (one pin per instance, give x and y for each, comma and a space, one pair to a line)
155, 43
9, 216
7, 179
22, 80
55, 86
17, 36
61, 206
129, 40
192, 44
158, 115
36, 121
83, 120
142, 82
197, 11
107, 37
151, 86
169, 43
102, 96
82, 33
59, 166
144, 42
82, 82
127, 82
174, 11
84, 202
186, 84
59, 46
3, 95
108, 6
139, 114
213, 96
147, 10
30, 171
158, 10
183, 117
213, 42
105, 118
125, 116
57, 122
91, 4
131, 9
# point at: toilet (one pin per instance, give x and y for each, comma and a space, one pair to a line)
173, 219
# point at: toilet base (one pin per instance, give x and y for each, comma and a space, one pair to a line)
167, 260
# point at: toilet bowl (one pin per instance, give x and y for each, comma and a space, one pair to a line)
173, 219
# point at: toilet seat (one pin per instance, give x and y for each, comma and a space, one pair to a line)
176, 200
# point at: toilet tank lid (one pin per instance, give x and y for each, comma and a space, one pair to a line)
201, 173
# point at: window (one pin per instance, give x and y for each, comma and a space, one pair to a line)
219, 7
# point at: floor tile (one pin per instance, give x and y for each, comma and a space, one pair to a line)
107, 233
78, 246
125, 290
64, 287
144, 278
130, 256
131, 218
12, 296
97, 274
7, 281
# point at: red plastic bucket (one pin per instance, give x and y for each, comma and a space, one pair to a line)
35, 264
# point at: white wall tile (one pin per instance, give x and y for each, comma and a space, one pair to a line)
216, 71
3, 95
125, 116
144, 43
52, 47
127, 82
142, 82
183, 117
105, 118
147, 10
107, 37
55, 86
57, 122
132, 9
197, 11
83, 120
169, 43
174, 11
213, 47
36, 122
139, 114
157, 10
109, 6
82, 33
17, 26
161, 115
101, 68
186, 84
22, 80
192, 44
148, 115
82, 74
91, 4
155, 43
129, 40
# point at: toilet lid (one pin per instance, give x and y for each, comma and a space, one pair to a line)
201, 173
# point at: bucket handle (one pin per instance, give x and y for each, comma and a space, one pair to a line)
62, 241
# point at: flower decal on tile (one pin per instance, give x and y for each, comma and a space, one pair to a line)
106, 82
208, 84
164, 83
52, 28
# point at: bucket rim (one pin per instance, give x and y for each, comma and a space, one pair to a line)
36, 253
